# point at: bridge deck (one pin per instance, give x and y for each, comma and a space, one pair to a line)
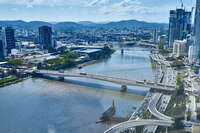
121, 81
135, 123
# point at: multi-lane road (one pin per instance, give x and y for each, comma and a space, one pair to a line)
134, 123
153, 110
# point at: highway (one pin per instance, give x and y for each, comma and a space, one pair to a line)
147, 84
135, 123
153, 110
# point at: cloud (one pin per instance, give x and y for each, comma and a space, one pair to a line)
97, 2
151, 10
124, 6
31, 3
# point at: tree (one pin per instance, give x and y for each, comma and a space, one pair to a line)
13, 71
15, 62
145, 114
188, 115
177, 64
180, 87
198, 114
178, 124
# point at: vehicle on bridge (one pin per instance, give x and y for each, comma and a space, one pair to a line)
61, 71
83, 73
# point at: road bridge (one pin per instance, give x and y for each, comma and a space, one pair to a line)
134, 123
121, 81
153, 110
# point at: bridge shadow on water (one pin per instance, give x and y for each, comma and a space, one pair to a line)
102, 85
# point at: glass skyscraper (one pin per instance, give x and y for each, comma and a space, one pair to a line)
179, 25
197, 31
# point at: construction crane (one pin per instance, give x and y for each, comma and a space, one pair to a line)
182, 5
192, 10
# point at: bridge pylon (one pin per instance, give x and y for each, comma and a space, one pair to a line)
61, 78
123, 88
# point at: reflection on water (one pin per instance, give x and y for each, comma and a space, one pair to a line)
47, 106
134, 64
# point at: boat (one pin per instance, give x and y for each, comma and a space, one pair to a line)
108, 114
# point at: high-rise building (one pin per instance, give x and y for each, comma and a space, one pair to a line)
179, 48
179, 25
197, 31
191, 56
10, 39
3, 50
155, 36
45, 37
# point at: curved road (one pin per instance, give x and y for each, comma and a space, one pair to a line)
153, 110
135, 123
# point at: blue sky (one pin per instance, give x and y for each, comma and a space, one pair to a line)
89, 10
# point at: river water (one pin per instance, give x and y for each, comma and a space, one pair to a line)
74, 106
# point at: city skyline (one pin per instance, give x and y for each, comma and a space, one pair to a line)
90, 10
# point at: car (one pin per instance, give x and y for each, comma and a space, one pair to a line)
83, 73
61, 71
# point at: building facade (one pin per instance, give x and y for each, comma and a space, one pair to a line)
45, 37
179, 48
155, 36
3, 48
179, 25
191, 55
9, 39
197, 31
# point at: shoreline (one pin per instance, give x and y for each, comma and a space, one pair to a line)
14, 82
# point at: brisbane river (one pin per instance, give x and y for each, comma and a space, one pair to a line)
74, 106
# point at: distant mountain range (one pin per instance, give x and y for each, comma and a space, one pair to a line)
82, 24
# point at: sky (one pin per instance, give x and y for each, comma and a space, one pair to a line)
89, 10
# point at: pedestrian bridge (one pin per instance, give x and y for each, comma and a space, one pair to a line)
121, 81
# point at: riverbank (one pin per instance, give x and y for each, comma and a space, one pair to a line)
11, 80
59, 106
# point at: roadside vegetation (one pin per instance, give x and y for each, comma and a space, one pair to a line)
67, 60
15, 62
177, 64
198, 115
198, 110
146, 114
7, 80
164, 52
197, 99
177, 107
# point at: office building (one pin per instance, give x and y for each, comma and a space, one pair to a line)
191, 55
179, 25
45, 37
3, 50
155, 36
10, 39
179, 48
197, 31
163, 41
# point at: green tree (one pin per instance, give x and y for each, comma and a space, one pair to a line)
145, 114
189, 115
15, 62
